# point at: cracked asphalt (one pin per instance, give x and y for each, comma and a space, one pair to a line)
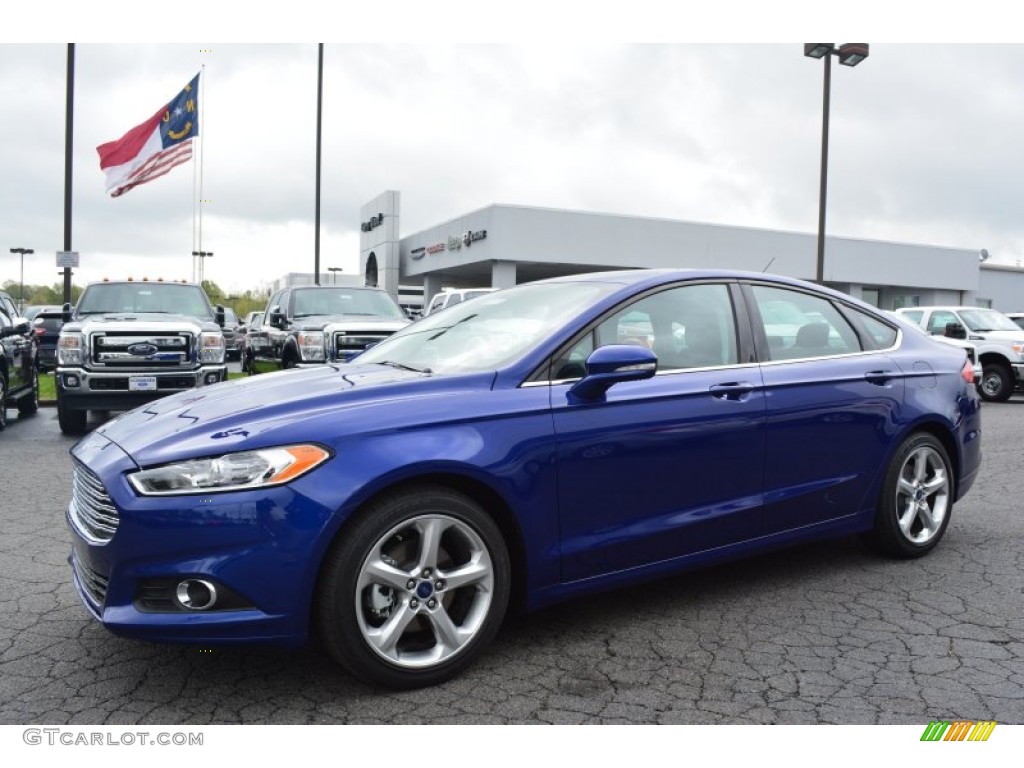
827, 633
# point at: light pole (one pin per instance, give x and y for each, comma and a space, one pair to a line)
335, 270
850, 55
21, 289
202, 255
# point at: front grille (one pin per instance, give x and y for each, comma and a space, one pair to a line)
92, 582
134, 349
92, 511
120, 383
357, 342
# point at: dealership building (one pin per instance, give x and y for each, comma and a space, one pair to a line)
503, 245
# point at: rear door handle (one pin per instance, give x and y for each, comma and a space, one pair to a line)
731, 390
879, 377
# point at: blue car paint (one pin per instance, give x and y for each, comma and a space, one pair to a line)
555, 464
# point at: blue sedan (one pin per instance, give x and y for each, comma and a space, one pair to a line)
541, 442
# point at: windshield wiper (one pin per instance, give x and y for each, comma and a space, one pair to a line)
404, 367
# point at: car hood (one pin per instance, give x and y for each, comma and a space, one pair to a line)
278, 408
122, 321
1007, 335
363, 322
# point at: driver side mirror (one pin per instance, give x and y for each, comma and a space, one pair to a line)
613, 364
955, 331
218, 315
277, 319
66, 313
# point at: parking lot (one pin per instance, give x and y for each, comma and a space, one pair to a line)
828, 633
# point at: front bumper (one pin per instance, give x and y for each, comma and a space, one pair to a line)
259, 547
79, 389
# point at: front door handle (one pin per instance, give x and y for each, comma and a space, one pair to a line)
732, 390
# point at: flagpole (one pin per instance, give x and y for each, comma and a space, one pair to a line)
68, 164
202, 152
319, 122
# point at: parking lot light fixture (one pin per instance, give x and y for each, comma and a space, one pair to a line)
202, 255
21, 289
850, 55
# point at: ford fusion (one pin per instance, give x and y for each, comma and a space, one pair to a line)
540, 442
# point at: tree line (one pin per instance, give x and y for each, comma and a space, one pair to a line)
53, 295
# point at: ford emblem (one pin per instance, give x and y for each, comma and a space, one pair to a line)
142, 350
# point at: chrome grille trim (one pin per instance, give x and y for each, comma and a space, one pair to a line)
93, 583
91, 511
165, 350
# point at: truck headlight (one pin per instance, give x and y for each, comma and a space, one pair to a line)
211, 347
311, 345
232, 472
70, 348
1018, 347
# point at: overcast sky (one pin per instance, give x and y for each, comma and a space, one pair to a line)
924, 148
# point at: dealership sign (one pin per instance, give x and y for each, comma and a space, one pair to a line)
373, 223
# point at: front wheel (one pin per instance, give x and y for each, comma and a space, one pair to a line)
415, 589
996, 383
71, 422
30, 403
916, 500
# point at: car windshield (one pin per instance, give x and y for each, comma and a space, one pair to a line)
230, 316
979, 320
344, 301
489, 331
165, 298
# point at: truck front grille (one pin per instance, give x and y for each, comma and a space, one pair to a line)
138, 349
350, 343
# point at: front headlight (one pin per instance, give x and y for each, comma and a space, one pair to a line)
232, 472
70, 348
211, 347
311, 345
1018, 347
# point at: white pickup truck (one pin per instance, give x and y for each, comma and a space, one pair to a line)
998, 340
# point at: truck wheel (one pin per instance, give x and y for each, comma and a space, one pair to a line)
996, 382
3, 402
30, 402
71, 422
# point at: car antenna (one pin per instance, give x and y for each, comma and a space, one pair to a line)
767, 265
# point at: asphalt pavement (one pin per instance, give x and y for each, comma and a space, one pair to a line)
825, 633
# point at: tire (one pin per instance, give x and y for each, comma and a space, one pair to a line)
996, 383
3, 402
29, 404
916, 500
71, 422
415, 589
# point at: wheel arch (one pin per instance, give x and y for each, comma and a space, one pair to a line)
942, 433
489, 499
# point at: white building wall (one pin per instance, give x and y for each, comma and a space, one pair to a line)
1003, 285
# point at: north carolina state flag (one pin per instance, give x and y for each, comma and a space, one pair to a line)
151, 149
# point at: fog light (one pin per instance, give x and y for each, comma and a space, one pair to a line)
196, 594
212, 378
71, 380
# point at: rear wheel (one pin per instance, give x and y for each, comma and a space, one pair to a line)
916, 500
415, 589
996, 382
